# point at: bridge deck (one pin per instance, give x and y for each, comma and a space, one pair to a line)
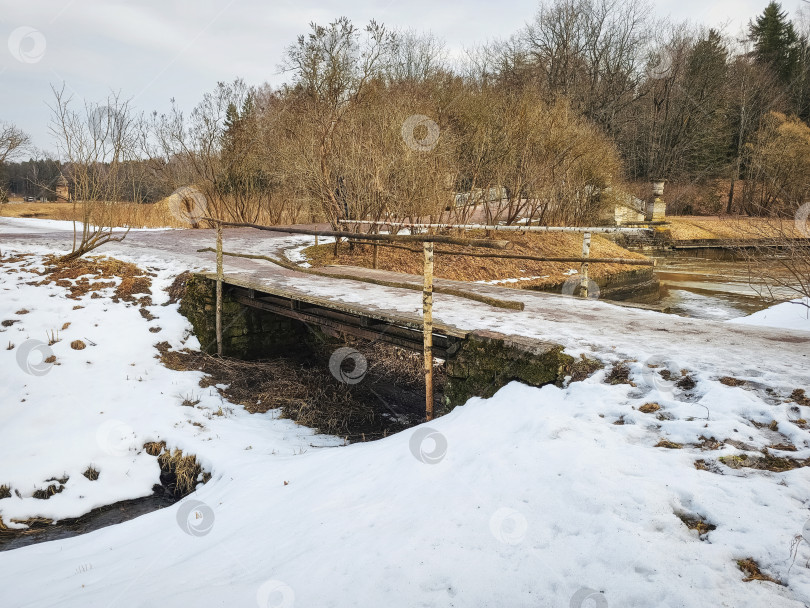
401, 329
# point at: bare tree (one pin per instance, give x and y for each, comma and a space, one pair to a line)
187, 151
13, 141
95, 142
591, 51
332, 68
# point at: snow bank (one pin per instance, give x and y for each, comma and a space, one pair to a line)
787, 315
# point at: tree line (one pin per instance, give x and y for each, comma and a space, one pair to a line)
587, 101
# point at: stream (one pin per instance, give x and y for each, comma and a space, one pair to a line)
716, 287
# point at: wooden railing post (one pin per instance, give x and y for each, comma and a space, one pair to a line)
427, 315
219, 289
583, 268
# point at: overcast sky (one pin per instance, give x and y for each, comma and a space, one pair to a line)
153, 50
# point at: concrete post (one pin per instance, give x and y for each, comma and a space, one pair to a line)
657, 209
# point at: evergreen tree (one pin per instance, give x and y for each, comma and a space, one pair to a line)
775, 42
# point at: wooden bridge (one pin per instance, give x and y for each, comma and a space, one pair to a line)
338, 318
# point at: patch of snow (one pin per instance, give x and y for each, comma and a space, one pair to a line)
296, 253
787, 315
515, 280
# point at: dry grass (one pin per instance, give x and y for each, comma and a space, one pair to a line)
152, 215
86, 274
120, 215
799, 396
185, 470
5, 491
179, 473
752, 572
389, 399
465, 268
670, 445
697, 523
649, 408
729, 227
710, 443
78, 345
619, 374
582, 368
766, 462
91, 473
178, 287
46, 493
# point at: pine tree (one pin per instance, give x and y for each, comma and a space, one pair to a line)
775, 42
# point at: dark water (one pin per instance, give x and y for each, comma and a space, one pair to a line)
97, 518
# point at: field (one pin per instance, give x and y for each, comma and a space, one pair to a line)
730, 227
157, 215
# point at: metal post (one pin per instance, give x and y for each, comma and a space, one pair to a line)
219, 289
316, 240
374, 258
427, 314
337, 242
583, 269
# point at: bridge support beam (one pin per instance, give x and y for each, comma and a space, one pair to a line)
247, 333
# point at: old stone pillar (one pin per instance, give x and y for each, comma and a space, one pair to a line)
657, 208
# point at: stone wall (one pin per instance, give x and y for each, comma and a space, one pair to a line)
247, 333
489, 360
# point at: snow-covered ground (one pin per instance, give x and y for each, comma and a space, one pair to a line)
531, 498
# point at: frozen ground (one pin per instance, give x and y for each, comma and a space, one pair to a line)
532, 498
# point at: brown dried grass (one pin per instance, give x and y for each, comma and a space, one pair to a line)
465, 268
150, 215
752, 572
729, 227
305, 391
